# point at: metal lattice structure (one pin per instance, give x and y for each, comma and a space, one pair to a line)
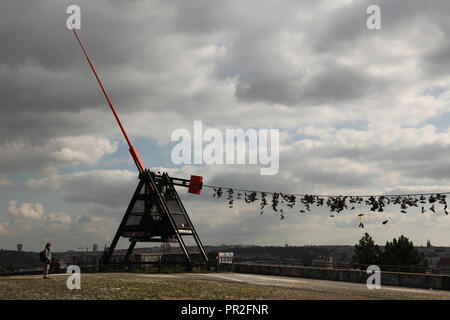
155, 214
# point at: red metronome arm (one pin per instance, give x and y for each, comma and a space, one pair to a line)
195, 184
133, 151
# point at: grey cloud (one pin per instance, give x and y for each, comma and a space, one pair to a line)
333, 179
146, 54
84, 219
266, 74
37, 128
40, 34
339, 29
168, 63
345, 27
43, 71
436, 62
427, 161
202, 17
329, 83
111, 188
335, 84
54, 154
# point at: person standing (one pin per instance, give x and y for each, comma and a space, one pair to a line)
48, 259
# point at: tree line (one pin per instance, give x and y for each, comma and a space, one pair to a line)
397, 255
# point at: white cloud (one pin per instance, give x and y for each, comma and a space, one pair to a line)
3, 230
55, 153
4, 181
27, 212
33, 211
59, 218
84, 150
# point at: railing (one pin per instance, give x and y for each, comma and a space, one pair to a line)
93, 263
9, 269
324, 264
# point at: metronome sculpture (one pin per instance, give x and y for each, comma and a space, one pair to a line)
155, 213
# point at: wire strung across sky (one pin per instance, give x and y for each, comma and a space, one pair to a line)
336, 203
332, 196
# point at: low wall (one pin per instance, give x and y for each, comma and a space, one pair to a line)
412, 280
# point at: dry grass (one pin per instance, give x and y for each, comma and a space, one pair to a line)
133, 286
112, 286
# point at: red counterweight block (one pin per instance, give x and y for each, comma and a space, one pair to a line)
195, 184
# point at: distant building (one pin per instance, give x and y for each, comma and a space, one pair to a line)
433, 261
330, 263
95, 247
444, 264
225, 257
429, 244
19, 247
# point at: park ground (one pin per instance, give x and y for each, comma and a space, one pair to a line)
212, 286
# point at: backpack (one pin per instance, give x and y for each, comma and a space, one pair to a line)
42, 256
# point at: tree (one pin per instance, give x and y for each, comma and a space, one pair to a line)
402, 253
366, 252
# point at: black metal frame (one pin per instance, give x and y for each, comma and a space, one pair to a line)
157, 222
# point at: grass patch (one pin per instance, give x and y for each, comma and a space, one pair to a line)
105, 286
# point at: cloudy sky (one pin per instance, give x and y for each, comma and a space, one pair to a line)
359, 112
